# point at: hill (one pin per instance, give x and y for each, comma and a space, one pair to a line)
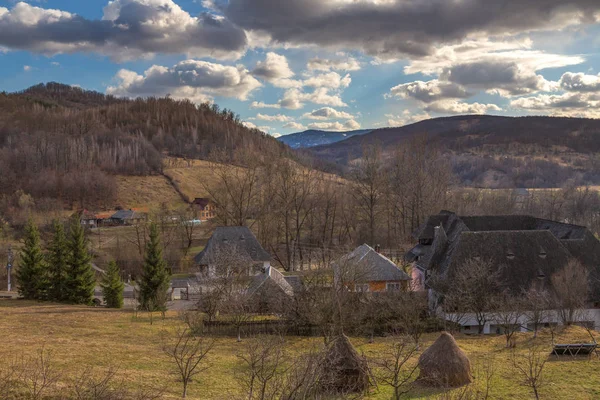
494, 151
313, 137
63, 146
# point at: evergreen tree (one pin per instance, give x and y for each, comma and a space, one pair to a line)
80, 279
32, 275
58, 261
155, 280
112, 286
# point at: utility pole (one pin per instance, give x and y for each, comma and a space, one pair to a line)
9, 265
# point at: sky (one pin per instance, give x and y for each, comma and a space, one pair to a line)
290, 65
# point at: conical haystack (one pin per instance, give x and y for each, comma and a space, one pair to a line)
444, 364
343, 370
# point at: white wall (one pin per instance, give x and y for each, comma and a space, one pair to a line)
469, 320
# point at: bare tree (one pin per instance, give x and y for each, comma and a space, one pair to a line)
508, 315
396, 368
477, 282
368, 186
530, 367
263, 374
537, 306
188, 353
571, 288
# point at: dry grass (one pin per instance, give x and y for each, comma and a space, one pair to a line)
146, 191
83, 336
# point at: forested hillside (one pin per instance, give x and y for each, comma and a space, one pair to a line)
62, 145
495, 152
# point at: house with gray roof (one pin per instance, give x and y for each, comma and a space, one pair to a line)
230, 245
127, 217
523, 250
365, 269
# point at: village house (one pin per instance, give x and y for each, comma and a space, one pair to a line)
205, 208
232, 244
524, 251
90, 219
366, 270
127, 217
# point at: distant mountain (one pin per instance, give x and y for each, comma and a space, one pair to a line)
495, 151
313, 137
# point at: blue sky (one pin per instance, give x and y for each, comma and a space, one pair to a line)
330, 64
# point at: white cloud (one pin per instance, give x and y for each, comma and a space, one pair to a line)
295, 125
249, 124
321, 64
26, 68
567, 104
260, 104
275, 134
196, 80
335, 126
294, 99
406, 118
457, 107
277, 117
276, 70
128, 29
580, 82
429, 91
330, 80
325, 113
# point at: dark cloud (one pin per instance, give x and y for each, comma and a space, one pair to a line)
129, 29
393, 28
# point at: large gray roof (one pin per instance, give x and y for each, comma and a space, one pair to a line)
522, 247
228, 239
371, 266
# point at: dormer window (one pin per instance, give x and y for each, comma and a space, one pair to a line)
510, 255
542, 253
242, 237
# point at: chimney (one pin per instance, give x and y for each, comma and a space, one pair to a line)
378, 248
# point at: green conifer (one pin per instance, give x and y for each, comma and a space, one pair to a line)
58, 261
80, 279
32, 275
155, 280
112, 286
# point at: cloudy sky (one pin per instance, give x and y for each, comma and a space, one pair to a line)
289, 65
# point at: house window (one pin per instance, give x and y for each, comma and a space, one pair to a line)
392, 286
361, 287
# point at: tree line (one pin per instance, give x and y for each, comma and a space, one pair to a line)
63, 272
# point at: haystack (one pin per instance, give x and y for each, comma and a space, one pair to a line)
343, 370
444, 364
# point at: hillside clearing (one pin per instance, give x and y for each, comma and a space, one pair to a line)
83, 336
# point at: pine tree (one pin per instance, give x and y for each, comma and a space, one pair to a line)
112, 286
32, 275
80, 279
58, 260
155, 279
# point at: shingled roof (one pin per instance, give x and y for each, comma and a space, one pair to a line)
371, 265
226, 239
524, 248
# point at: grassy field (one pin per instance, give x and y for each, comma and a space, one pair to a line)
82, 336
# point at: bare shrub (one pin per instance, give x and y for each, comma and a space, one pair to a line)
39, 374
90, 386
